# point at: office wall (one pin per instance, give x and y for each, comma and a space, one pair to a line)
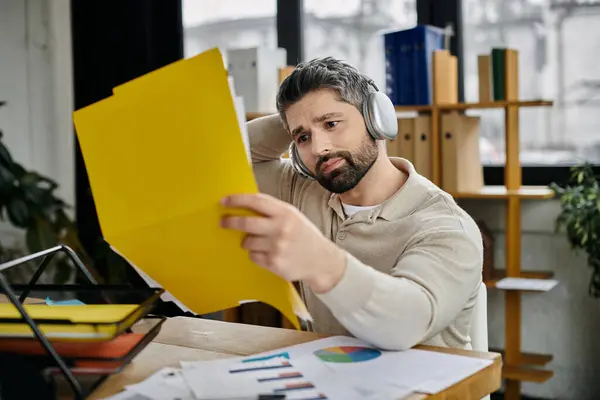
565, 321
35, 80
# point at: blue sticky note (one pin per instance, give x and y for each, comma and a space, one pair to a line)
259, 358
73, 302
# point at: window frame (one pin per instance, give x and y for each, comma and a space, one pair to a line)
289, 15
440, 12
290, 35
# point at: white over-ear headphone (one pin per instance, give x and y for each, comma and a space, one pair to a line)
380, 118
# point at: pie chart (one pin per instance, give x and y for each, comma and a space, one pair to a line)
347, 354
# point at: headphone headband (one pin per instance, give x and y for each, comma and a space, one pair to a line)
371, 82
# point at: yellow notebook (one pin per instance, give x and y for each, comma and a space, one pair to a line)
161, 153
87, 322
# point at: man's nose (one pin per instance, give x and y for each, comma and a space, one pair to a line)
321, 143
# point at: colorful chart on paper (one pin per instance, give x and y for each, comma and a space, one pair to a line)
347, 354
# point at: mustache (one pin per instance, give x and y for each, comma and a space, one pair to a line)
345, 155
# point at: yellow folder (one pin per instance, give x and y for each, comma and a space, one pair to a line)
161, 153
78, 322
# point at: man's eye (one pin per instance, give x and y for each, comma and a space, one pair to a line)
302, 138
331, 124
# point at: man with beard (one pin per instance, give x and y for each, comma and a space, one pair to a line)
381, 252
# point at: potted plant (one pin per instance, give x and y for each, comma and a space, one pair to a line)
580, 217
28, 201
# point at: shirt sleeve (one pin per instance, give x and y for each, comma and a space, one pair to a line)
428, 287
268, 138
268, 142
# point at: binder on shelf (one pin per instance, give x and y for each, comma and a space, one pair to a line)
403, 146
498, 61
427, 40
422, 146
399, 53
462, 170
390, 51
406, 138
58, 340
511, 77
445, 77
484, 72
408, 61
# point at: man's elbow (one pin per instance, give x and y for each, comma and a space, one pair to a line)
398, 335
402, 339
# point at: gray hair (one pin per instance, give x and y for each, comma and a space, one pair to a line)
326, 72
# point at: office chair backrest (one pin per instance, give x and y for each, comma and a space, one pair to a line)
479, 326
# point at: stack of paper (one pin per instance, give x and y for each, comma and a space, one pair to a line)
161, 153
538, 285
333, 368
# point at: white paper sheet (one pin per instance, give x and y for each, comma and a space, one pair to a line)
418, 370
241, 115
539, 285
166, 384
333, 368
240, 110
243, 377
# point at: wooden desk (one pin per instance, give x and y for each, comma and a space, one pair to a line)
191, 339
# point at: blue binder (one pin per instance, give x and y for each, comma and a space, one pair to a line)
390, 52
427, 39
409, 64
399, 67
406, 75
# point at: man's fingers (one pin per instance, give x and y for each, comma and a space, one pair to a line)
260, 203
259, 257
251, 225
257, 243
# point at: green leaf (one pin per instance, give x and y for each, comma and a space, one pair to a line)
5, 157
39, 236
35, 195
7, 180
18, 170
18, 212
31, 178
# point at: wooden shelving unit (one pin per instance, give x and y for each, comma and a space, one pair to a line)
518, 366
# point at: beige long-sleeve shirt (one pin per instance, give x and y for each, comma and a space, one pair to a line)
414, 263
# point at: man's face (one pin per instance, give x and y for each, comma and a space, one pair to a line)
332, 139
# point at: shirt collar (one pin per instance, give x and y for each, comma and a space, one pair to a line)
400, 204
409, 197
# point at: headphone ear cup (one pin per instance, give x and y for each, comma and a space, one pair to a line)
380, 116
297, 163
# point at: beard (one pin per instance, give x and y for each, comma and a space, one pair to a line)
357, 164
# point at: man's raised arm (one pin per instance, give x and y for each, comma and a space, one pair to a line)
269, 140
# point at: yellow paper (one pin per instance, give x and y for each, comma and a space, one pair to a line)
95, 321
161, 154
